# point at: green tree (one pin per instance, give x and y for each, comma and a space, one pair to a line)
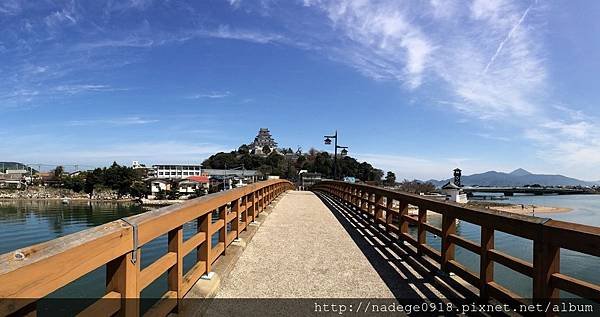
58, 172
243, 149
390, 178
140, 189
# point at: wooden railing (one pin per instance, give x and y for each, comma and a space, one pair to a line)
34, 272
390, 209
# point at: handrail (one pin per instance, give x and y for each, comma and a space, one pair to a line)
33, 272
548, 237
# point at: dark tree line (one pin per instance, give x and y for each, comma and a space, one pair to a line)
119, 178
287, 165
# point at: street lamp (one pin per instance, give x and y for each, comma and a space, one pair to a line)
344, 151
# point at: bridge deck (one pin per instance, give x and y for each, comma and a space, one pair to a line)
311, 246
302, 251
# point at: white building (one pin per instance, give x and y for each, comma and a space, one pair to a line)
179, 171
453, 193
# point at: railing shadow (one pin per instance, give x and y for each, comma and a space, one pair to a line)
408, 276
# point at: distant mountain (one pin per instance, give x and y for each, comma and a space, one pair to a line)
518, 177
520, 172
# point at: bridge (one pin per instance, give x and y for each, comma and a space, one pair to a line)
266, 240
510, 191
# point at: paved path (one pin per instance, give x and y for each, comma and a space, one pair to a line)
302, 251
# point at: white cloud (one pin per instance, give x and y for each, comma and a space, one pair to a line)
411, 167
379, 39
235, 3
227, 32
101, 155
10, 7
212, 95
113, 121
79, 88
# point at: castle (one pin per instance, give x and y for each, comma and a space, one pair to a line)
263, 139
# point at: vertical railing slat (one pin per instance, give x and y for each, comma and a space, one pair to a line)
175, 273
448, 228
204, 223
421, 233
122, 276
486, 265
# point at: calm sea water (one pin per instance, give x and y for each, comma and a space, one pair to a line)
23, 223
585, 210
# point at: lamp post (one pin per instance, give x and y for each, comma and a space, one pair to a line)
336, 147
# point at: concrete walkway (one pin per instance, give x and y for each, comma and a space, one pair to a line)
302, 251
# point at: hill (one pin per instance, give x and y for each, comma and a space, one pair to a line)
518, 177
12, 166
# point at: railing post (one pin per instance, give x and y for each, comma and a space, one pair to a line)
235, 225
223, 231
175, 273
546, 261
122, 276
378, 207
421, 233
245, 213
389, 213
486, 265
448, 228
253, 206
403, 211
204, 251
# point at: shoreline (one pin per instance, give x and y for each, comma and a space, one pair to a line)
522, 209
125, 200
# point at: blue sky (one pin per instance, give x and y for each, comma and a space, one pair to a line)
417, 87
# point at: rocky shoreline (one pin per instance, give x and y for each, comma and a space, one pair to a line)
43, 193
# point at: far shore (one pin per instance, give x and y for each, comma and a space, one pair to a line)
68, 198
523, 209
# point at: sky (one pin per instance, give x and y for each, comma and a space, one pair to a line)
415, 87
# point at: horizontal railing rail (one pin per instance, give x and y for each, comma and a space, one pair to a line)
31, 273
390, 209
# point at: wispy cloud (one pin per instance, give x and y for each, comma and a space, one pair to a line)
113, 121
412, 167
211, 95
80, 88
10, 7
230, 33
161, 151
379, 39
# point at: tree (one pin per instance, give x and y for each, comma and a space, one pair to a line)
92, 180
140, 189
243, 149
58, 172
416, 186
390, 178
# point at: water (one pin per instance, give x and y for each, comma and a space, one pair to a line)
585, 210
24, 223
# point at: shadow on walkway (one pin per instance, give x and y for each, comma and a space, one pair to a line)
408, 275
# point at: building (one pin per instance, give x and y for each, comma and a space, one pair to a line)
172, 171
231, 178
307, 179
194, 185
158, 185
262, 140
452, 189
11, 180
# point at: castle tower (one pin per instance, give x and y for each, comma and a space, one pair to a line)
263, 139
457, 174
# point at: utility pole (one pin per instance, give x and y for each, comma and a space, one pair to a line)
343, 152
